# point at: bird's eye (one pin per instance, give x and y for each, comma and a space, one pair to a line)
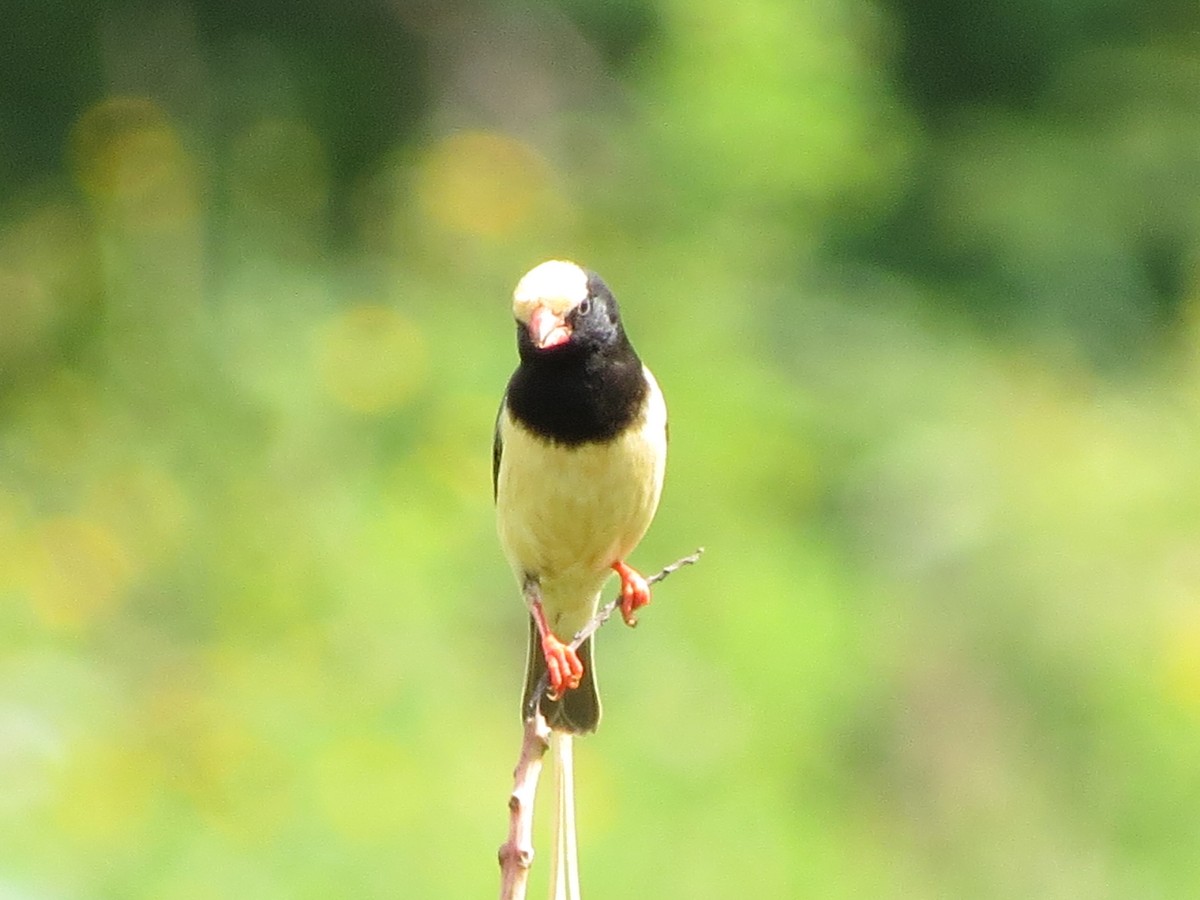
584, 307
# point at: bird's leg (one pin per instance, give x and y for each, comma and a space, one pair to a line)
563, 666
635, 592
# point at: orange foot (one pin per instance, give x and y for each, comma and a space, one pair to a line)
635, 593
564, 670
562, 665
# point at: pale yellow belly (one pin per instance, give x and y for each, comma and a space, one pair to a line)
565, 514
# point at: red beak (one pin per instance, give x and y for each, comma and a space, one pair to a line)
546, 329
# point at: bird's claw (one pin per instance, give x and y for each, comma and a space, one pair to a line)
563, 667
635, 592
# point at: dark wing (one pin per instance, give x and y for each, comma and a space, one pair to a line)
497, 452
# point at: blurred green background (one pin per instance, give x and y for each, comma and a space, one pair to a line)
921, 281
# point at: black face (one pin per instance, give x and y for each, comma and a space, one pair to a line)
595, 321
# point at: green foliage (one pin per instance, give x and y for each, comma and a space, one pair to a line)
921, 289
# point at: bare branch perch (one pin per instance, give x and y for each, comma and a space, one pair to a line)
516, 853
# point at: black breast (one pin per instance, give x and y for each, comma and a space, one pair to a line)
580, 395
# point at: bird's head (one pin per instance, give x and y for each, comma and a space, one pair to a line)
560, 305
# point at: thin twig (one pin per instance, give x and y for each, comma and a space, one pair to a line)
516, 853
603, 615
605, 612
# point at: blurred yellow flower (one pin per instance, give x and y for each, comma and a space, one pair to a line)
78, 571
481, 183
107, 793
1181, 663
371, 358
130, 160
146, 507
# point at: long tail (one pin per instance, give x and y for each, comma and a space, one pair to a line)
564, 873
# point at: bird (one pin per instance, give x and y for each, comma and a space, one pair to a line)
579, 458
578, 462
